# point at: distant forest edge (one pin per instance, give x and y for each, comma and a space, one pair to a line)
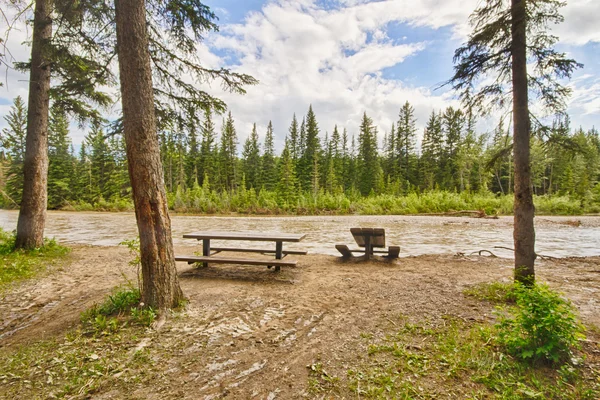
454, 169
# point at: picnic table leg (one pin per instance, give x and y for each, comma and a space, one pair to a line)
278, 253
368, 247
206, 250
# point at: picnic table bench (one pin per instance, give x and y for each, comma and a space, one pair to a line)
369, 239
208, 252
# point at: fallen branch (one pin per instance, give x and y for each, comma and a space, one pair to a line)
472, 213
484, 251
541, 256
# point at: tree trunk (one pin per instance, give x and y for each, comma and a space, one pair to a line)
32, 214
160, 286
524, 233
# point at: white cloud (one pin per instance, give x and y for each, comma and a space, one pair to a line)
581, 22
334, 58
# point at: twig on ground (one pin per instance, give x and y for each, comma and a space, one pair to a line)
484, 251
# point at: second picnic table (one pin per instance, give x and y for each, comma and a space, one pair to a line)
208, 252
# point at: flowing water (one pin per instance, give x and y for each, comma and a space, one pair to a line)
556, 236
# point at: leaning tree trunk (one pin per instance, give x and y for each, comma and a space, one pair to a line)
32, 214
160, 286
524, 233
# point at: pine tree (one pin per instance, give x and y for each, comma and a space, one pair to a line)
269, 168
506, 39
193, 167
227, 155
431, 152
101, 163
13, 141
60, 167
294, 140
251, 160
405, 144
208, 154
286, 186
369, 170
309, 162
453, 122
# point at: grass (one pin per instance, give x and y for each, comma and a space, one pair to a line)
76, 366
118, 310
17, 265
101, 352
460, 360
494, 292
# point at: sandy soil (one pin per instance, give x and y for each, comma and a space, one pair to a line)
248, 332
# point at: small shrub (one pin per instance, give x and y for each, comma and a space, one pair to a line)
543, 326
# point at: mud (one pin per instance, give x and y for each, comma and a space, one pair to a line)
248, 332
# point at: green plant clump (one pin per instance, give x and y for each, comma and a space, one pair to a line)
17, 265
542, 326
115, 312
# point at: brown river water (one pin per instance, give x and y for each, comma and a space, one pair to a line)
416, 235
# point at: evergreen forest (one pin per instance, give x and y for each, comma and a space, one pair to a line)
319, 170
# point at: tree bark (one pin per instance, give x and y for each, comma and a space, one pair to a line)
160, 286
32, 214
524, 233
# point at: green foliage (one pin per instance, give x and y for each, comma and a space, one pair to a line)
543, 326
420, 361
495, 292
21, 264
116, 311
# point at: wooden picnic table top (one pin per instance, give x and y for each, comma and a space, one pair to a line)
254, 236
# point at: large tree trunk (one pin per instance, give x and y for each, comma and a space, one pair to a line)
524, 233
32, 215
160, 286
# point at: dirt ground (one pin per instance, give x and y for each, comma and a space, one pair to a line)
248, 332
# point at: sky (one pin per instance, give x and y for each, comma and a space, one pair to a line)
347, 57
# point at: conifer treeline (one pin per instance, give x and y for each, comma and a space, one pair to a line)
201, 165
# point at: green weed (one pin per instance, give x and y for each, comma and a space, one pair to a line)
542, 326
495, 292
460, 360
16, 265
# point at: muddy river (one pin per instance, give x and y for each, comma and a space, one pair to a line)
556, 236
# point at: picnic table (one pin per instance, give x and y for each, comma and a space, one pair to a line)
209, 252
370, 239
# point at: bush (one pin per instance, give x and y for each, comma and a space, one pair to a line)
543, 326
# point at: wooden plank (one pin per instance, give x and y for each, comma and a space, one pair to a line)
374, 251
342, 248
255, 236
261, 251
393, 252
223, 260
377, 236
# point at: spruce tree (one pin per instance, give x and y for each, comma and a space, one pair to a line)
208, 152
453, 122
505, 40
13, 141
431, 152
309, 162
268, 166
252, 161
193, 167
405, 144
286, 186
227, 154
60, 167
368, 166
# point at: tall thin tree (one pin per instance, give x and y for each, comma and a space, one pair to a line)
506, 38
160, 286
